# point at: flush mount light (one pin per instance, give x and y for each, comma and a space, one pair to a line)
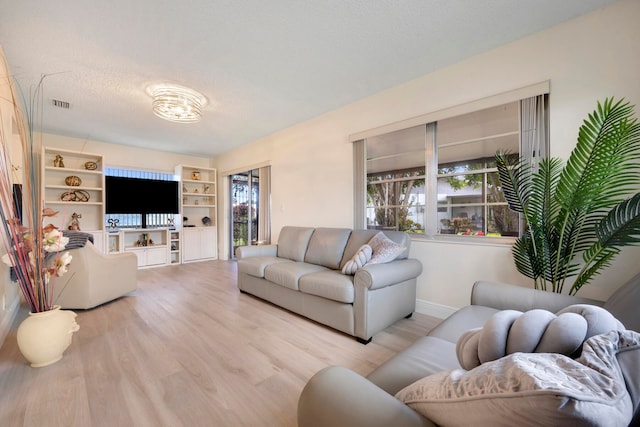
177, 103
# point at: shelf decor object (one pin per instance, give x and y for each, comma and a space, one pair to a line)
58, 161
75, 196
73, 181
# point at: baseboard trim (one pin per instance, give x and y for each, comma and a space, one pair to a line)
435, 310
7, 320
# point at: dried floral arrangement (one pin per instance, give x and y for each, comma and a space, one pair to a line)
32, 248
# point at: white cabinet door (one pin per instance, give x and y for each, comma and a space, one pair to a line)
208, 242
156, 256
142, 259
199, 243
151, 256
190, 244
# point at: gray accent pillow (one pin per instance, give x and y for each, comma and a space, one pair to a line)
532, 389
534, 331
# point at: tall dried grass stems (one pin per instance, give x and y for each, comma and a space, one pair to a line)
23, 242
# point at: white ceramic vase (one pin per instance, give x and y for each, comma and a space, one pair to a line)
43, 337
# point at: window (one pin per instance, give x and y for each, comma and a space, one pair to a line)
469, 198
135, 220
440, 177
396, 180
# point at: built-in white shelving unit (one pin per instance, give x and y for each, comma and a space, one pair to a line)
198, 204
74, 183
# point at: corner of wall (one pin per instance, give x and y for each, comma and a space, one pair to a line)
8, 311
434, 310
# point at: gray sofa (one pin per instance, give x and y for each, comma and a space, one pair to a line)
302, 273
337, 396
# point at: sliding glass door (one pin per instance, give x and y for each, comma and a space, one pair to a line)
250, 214
245, 208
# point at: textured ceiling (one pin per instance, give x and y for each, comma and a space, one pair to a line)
263, 65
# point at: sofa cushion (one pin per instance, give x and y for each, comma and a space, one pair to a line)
468, 317
624, 303
426, 356
288, 274
255, 266
327, 246
328, 284
532, 389
293, 242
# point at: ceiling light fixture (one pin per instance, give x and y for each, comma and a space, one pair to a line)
177, 103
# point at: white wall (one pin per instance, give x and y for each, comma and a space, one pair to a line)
586, 60
9, 296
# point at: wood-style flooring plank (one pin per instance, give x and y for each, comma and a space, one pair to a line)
185, 349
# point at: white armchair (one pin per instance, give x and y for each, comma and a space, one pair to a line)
94, 278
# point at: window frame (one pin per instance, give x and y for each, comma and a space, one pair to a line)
431, 162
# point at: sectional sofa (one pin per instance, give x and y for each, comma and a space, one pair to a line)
425, 385
323, 274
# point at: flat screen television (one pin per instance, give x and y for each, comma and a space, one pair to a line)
141, 196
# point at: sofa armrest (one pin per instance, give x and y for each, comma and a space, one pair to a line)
259, 250
337, 396
503, 296
376, 276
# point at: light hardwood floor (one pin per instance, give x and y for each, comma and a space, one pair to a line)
185, 349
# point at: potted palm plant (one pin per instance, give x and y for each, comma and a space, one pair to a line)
579, 215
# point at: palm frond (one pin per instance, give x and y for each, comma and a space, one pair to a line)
525, 260
543, 205
599, 258
601, 167
515, 180
621, 227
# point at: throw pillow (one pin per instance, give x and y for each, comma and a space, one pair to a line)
358, 260
535, 331
532, 389
384, 249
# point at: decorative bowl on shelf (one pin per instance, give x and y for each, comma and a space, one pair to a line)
206, 220
73, 181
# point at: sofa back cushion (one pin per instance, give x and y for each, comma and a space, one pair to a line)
361, 237
293, 242
326, 247
624, 303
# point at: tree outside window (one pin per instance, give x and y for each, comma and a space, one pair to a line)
463, 177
